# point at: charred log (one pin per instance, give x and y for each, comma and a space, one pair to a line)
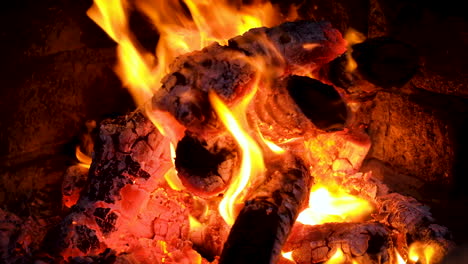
410, 220
205, 166
320, 102
130, 160
265, 221
363, 242
230, 70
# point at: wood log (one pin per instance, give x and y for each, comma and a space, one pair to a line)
410, 220
363, 242
290, 48
263, 224
126, 203
205, 166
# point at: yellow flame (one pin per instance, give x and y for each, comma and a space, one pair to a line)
251, 163
84, 160
333, 205
337, 258
272, 146
352, 37
400, 260
422, 252
287, 255
194, 223
171, 175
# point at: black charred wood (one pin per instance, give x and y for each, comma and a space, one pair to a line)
319, 102
264, 223
205, 166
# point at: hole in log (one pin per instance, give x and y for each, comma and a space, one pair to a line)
205, 167
319, 102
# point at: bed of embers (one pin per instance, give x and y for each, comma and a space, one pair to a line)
245, 148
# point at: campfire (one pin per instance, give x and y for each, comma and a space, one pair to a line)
245, 147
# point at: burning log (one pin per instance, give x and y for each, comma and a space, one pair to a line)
363, 242
409, 220
124, 194
206, 166
230, 71
263, 224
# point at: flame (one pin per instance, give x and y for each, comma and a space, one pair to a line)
400, 259
287, 255
337, 258
352, 37
251, 164
271, 145
207, 22
421, 252
84, 160
171, 175
333, 205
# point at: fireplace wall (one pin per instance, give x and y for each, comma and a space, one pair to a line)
57, 73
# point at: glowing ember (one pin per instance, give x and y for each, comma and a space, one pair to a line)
251, 164
337, 258
84, 160
333, 205
287, 255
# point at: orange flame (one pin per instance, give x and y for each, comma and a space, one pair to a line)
421, 252
352, 36
207, 22
84, 160
251, 165
333, 205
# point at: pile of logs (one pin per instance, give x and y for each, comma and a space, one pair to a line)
128, 213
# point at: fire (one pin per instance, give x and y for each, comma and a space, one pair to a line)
251, 165
84, 160
333, 205
337, 258
287, 255
352, 36
171, 175
207, 22
400, 260
421, 252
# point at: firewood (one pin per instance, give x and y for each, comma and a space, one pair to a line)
205, 165
124, 204
263, 224
409, 219
290, 48
363, 242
